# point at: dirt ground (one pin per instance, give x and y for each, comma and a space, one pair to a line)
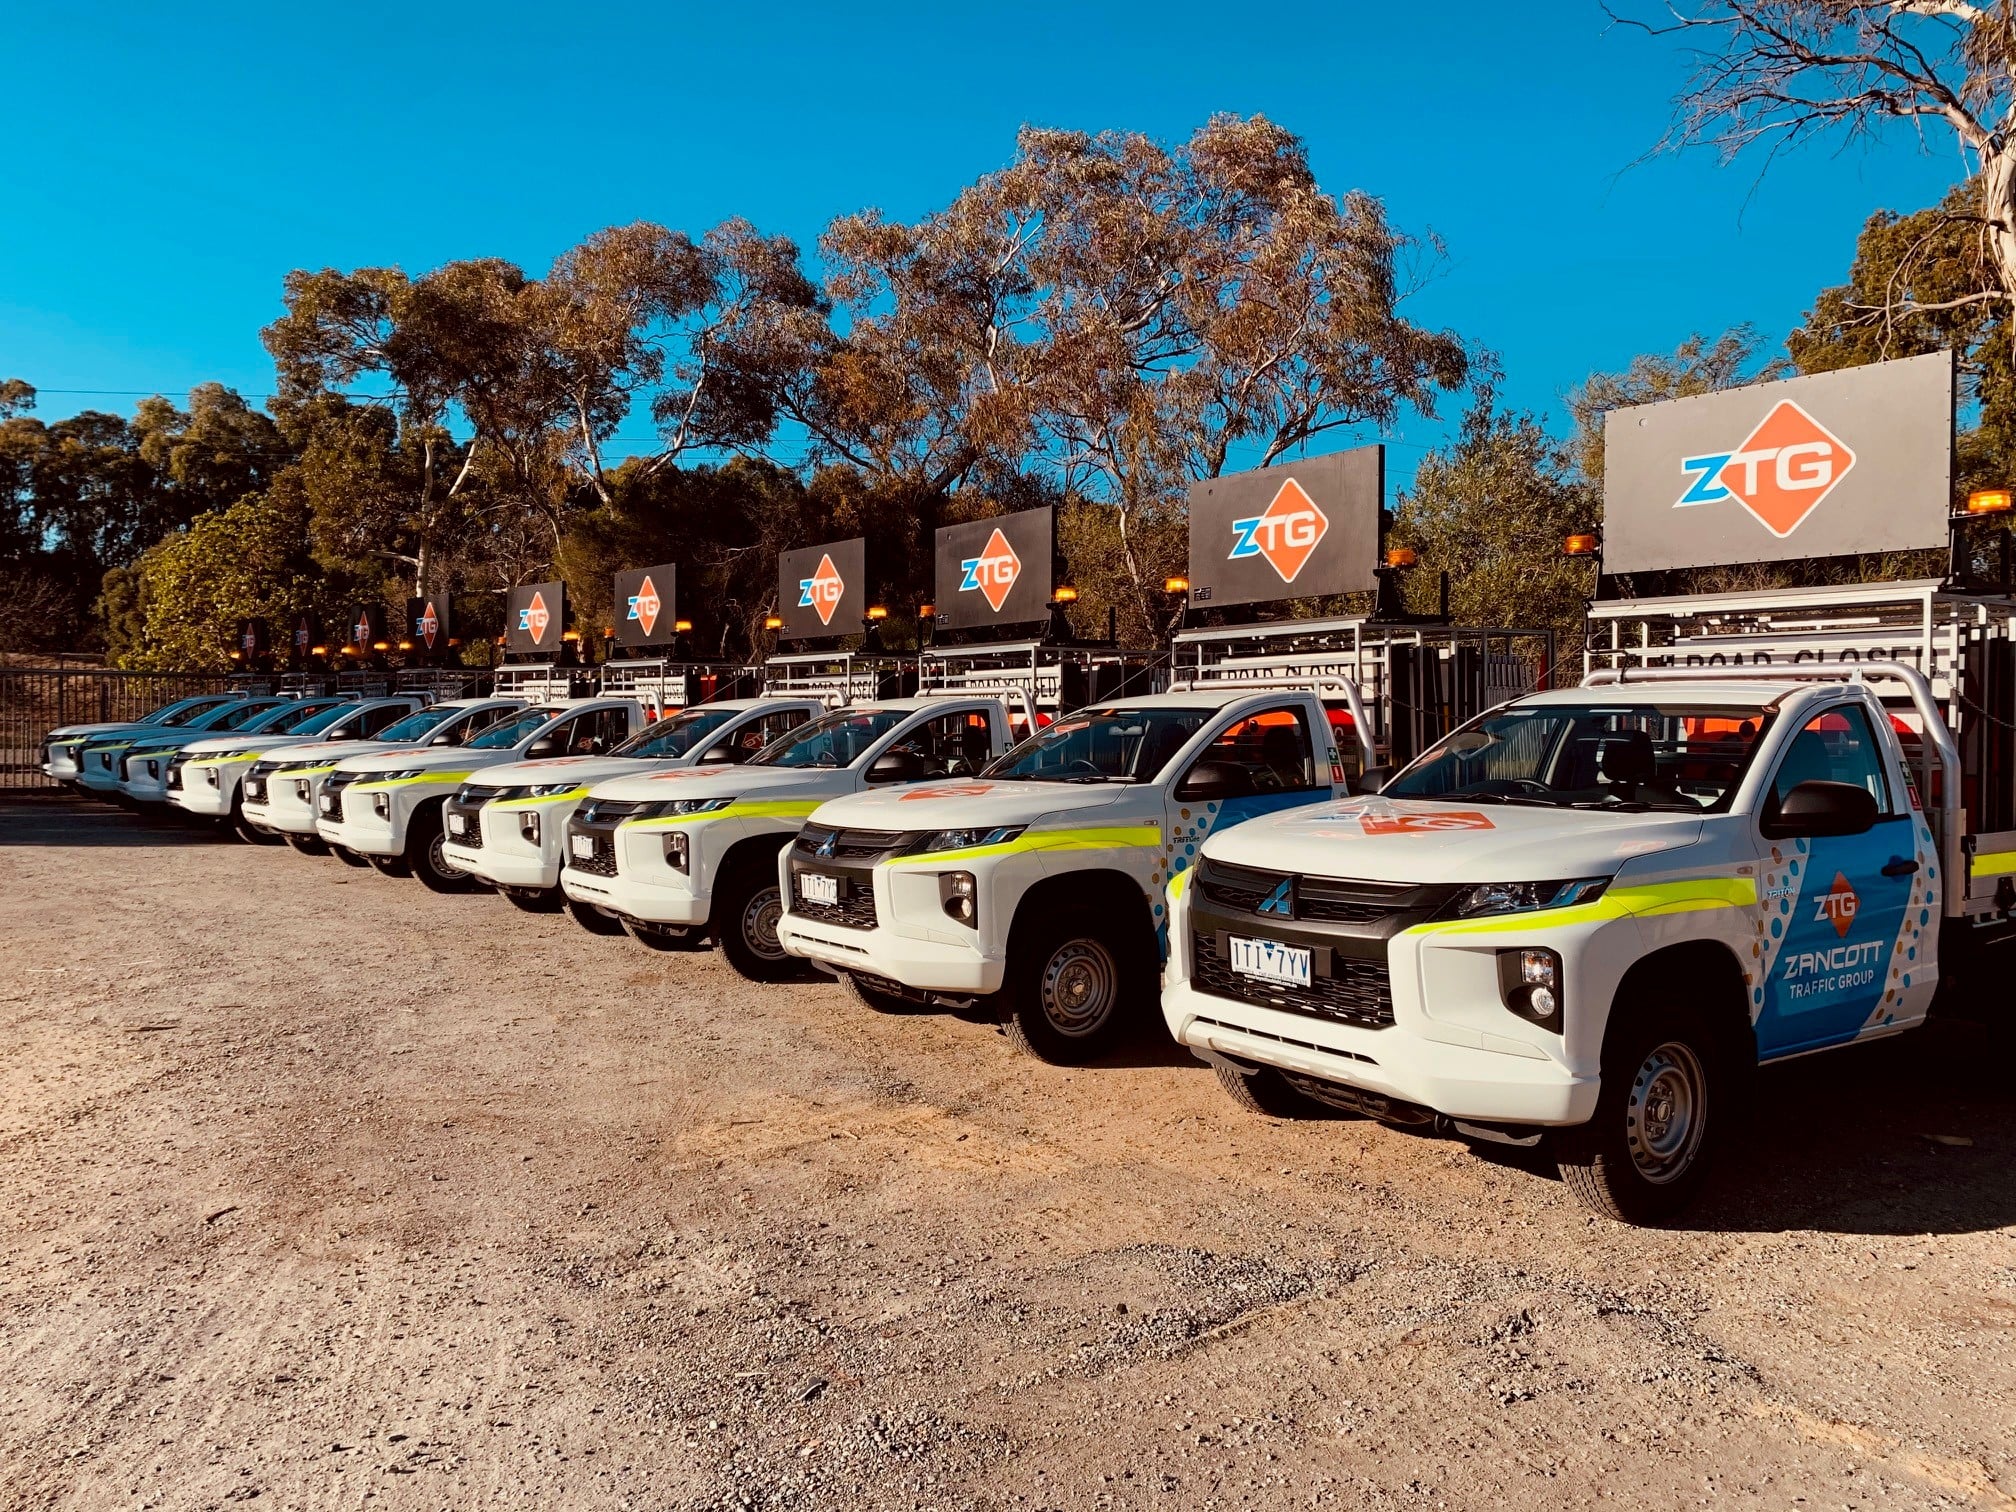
323, 1191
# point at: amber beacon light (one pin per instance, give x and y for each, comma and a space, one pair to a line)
1985, 501
1579, 545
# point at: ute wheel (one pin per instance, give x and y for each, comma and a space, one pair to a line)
388, 866
592, 919
309, 845
349, 857
426, 854
249, 832
1263, 1090
748, 902
1667, 1095
878, 998
1072, 984
534, 899
662, 936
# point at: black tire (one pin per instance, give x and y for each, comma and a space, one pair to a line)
311, 845
880, 999
427, 857
388, 866
249, 832
1669, 1093
592, 919
1073, 985
1265, 1091
348, 857
748, 902
534, 899
661, 936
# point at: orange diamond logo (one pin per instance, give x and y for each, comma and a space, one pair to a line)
535, 617
430, 624
1285, 536
993, 572
1781, 473
645, 604
1837, 905
821, 592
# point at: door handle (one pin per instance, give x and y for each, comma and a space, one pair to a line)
1900, 866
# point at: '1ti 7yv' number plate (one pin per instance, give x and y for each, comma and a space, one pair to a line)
816, 888
1271, 961
584, 845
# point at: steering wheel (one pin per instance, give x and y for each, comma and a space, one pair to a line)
1080, 768
1525, 785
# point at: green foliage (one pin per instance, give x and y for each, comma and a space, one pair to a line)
1696, 366
1491, 509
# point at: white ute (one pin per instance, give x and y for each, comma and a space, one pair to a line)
1042, 879
60, 747
206, 777
507, 825
143, 774
388, 808
101, 759
1591, 914
281, 788
696, 849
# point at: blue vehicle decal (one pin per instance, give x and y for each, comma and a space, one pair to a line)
1188, 830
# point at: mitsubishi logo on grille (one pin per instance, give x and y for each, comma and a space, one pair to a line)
1279, 901
826, 845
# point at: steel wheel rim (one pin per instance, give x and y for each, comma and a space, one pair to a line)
437, 857
1080, 985
1666, 1114
759, 923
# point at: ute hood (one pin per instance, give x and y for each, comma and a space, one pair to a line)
242, 743
1420, 840
78, 731
423, 759
962, 802
170, 739
337, 750
723, 782
583, 771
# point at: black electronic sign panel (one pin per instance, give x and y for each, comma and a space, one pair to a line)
823, 590
1295, 530
646, 605
995, 572
535, 618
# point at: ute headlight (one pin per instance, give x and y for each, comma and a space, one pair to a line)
404, 774
1488, 898
679, 808
550, 789
969, 839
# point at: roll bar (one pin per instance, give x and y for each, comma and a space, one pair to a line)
1938, 737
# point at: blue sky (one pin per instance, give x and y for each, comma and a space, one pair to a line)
169, 165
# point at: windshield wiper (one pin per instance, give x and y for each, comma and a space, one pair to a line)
1511, 798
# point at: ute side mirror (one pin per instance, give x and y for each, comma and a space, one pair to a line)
545, 745
1215, 781
450, 738
898, 766
1816, 810
725, 754
1372, 780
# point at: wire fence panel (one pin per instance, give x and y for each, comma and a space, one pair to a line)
36, 700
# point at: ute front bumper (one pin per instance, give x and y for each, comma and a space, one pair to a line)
145, 779
646, 902
891, 923
288, 807
197, 794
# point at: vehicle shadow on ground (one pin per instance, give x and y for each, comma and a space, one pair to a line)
61, 819
1906, 1137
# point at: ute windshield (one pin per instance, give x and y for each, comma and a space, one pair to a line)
674, 735
507, 735
248, 715
838, 739
305, 720
1678, 757
185, 710
1102, 745
416, 726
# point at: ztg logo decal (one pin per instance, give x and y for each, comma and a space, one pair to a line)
361, 631
429, 624
1837, 906
993, 572
535, 617
1286, 535
1781, 472
821, 591
1422, 824
644, 605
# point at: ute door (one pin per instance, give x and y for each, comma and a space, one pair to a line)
1258, 763
1847, 918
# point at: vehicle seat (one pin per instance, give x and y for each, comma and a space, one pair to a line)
1281, 755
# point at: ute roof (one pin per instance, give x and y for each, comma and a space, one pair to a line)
1735, 690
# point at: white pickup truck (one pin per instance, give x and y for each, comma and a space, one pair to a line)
101, 760
60, 747
1042, 879
281, 788
388, 807
696, 850
1589, 915
206, 777
507, 825
143, 775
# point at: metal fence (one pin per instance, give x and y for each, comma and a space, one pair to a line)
36, 700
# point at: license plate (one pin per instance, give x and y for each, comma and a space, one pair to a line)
458, 824
328, 803
816, 887
1271, 961
255, 791
584, 845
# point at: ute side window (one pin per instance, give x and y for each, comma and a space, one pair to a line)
952, 745
760, 732
371, 721
1274, 748
1834, 746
